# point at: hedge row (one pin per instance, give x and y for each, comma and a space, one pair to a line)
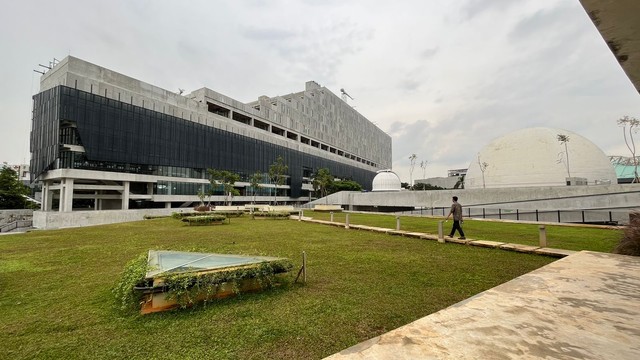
205, 219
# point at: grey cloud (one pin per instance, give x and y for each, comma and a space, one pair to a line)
271, 34
474, 8
429, 53
551, 21
410, 84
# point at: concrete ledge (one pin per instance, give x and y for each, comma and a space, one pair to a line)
486, 243
397, 232
519, 248
554, 252
414, 234
283, 208
229, 208
456, 241
336, 208
56, 220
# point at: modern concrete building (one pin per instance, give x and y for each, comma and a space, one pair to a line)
102, 140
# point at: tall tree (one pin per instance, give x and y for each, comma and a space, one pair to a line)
277, 175
564, 139
344, 185
483, 167
423, 165
322, 182
255, 181
227, 179
412, 160
12, 191
630, 127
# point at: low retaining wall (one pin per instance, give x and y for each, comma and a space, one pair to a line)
57, 220
7, 216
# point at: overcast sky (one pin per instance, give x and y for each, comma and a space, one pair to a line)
442, 77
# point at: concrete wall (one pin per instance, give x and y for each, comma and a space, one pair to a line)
618, 198
7, 216
56, 220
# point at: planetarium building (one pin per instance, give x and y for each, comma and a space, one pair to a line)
539, 157
102, 140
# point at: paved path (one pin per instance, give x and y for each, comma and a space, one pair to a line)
483, 243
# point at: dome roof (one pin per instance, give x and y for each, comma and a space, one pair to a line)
535, 157
386, 180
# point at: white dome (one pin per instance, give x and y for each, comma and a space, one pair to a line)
535, 157
386, 180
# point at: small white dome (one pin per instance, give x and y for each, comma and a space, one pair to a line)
386, 180
535, 157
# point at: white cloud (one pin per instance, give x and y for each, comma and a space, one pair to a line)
443, 78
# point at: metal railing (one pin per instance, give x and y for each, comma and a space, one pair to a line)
560, 216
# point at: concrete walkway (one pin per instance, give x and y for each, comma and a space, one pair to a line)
584, 306
482, 243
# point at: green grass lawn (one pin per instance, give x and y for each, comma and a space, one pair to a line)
56, 289
558, 236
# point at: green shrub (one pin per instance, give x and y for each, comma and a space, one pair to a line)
180, 215
229, 213
630, 242
204, 219
272, 214
186, 288
134, 273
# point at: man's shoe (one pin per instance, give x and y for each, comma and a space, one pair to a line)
462, 238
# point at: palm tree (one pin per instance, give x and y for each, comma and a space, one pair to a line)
412, 160
633, 124
564, 139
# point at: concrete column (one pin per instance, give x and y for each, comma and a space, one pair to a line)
66, 195
95, 200
543, 236
61, 195
125, 196
149, 188
230, 114
47, 196
167, 205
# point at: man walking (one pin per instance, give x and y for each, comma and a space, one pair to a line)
456, 211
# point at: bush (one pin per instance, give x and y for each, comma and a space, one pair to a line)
204, 220
180, 215
229, 213
630, 242
272, 214
134, 273
186, 288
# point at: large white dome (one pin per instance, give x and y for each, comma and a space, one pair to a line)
386, 180
535, 157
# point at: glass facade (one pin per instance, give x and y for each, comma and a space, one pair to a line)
121, 137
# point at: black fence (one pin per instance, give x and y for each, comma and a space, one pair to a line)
604, 217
